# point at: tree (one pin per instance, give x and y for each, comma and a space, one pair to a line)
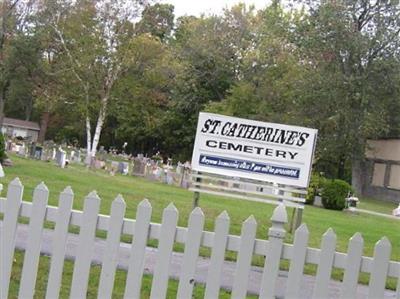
141, 97
158, 20
352, 54
96, 39
269, 72
23, 67
7, 14
211, 50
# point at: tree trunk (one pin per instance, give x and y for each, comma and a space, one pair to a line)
99, 126
43, 126
88, 142
2, 98
28, 110
341, 167
357, 175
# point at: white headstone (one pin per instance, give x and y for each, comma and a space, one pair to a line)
396, 212
63, 158
22, 150
2, 175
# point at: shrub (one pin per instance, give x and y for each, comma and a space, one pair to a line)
3, 154
334, 194
316, 183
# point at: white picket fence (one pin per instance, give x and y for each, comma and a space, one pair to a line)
246, 245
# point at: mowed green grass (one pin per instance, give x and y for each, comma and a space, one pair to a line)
119, 284
134, 189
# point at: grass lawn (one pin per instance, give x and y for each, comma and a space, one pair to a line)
119, 285
134, 189
371, 204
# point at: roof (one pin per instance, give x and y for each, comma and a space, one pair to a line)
19, 123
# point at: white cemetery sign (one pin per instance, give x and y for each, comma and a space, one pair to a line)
269, 152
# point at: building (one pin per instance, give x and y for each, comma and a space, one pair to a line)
20, 128
382, 179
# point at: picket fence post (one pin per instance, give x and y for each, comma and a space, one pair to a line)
159, 284
217, 255
380, 267
110, 255
87, 232
192, 246
297, 261
59, 243
276, 235
32, 251
245, 254
326, 256
353, 264
138, 250
8, 233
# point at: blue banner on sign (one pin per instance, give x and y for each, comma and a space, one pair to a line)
249, 166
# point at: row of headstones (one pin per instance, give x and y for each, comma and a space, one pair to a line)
113, 168
141, 166
45, 153
153, 170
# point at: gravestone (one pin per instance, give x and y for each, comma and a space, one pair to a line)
179, 168
98, 164
169, 177
77, 156
114, 167
45, 154
318, 201
9, 145
61, 158
54, 153
72, 155
396, 212
123, 168
31, 150
38, 152
22, 150
139, 166
137, 163
88, 159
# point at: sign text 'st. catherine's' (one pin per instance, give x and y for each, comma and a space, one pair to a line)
259, 133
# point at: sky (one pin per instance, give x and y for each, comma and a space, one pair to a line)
197, 7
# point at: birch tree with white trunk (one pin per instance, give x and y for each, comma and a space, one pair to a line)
96, 39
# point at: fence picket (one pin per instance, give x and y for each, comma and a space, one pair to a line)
326, 257
84, 250
136, 259
110, 257
168, 228
353, 263
276, 234
297, 261
192, 245
380, 267
32, 251
58, 244
8, 231
217, 255
243, 264
398, 283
